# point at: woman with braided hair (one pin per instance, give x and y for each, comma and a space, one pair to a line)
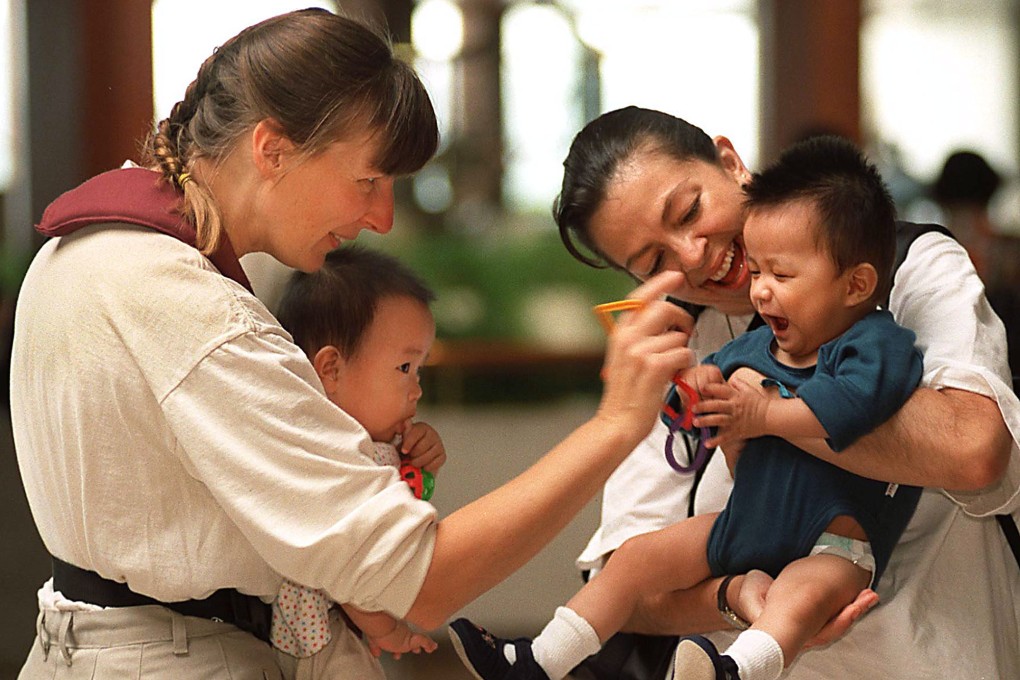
181, 458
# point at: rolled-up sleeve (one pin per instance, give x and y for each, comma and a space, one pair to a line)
939, 296
293, 473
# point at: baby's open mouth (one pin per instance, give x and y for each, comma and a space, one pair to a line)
776, 323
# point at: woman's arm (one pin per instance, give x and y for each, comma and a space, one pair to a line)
484, 542
952, 436
948, 435
695, 610
949, 439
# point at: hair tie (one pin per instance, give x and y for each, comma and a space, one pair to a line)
184, 178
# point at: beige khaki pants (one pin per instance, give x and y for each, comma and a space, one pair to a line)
144, 642
346, 656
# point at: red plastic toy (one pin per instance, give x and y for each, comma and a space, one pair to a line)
422, 482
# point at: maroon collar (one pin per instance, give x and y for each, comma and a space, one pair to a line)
132, 196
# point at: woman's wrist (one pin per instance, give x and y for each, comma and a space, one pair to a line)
725, 605
619, 433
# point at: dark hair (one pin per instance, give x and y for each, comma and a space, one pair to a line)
321, 77
857, 213
966, 178
596, 154
336, 304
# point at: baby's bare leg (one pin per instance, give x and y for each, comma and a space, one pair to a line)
807, 593
673, 558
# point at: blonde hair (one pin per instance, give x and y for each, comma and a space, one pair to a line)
321, 77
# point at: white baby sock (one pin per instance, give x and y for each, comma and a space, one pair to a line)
565, 641
757, 654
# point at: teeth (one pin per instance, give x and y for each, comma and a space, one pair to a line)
725, 268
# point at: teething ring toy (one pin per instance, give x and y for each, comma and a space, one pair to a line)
677, 418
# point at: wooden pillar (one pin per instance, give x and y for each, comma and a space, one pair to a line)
810, 70
116, 57
478, 174
398, 19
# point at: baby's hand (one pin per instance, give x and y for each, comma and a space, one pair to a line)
400, 640
422, 447
738, 409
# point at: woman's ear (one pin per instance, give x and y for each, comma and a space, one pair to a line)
730, 160
328, 364
862, 279
269, 147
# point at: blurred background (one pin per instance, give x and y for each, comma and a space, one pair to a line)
929, 87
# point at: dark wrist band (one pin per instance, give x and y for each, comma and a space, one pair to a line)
728, 615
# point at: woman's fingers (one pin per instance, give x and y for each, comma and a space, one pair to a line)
840, 624
646, 348
656, 310
659, 285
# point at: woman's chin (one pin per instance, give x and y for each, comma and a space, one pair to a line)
729, 299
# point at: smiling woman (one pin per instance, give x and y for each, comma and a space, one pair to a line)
667, 167
185, 459
267, 150
644, 194
324, 199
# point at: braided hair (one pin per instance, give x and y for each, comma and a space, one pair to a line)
321, 77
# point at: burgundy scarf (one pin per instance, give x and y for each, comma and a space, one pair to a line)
132, 196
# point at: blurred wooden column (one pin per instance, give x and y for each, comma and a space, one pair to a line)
117, 107
394, 15
810, 70
478, 174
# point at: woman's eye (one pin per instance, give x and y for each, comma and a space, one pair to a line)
693, 211
404, 368
656, 266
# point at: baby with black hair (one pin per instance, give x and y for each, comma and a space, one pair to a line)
827, 364
364, 322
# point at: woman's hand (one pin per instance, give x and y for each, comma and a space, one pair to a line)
747, 600
646, 348
841, 622
747, 594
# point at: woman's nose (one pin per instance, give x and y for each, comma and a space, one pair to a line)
691, 251
379, 217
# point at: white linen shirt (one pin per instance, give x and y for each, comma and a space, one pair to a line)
950, 596
171, 436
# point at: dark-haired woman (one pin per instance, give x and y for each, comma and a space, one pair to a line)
177, 450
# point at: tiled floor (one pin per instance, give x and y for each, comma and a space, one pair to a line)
442, 664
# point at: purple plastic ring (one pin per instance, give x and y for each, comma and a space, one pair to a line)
700, 455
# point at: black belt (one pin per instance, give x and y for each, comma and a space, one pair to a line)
247, 612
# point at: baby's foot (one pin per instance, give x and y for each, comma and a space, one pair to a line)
485, 655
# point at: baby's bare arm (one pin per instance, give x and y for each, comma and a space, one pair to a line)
743, 409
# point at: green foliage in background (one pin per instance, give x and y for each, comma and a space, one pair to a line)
502, 270
13, 266
497, 272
